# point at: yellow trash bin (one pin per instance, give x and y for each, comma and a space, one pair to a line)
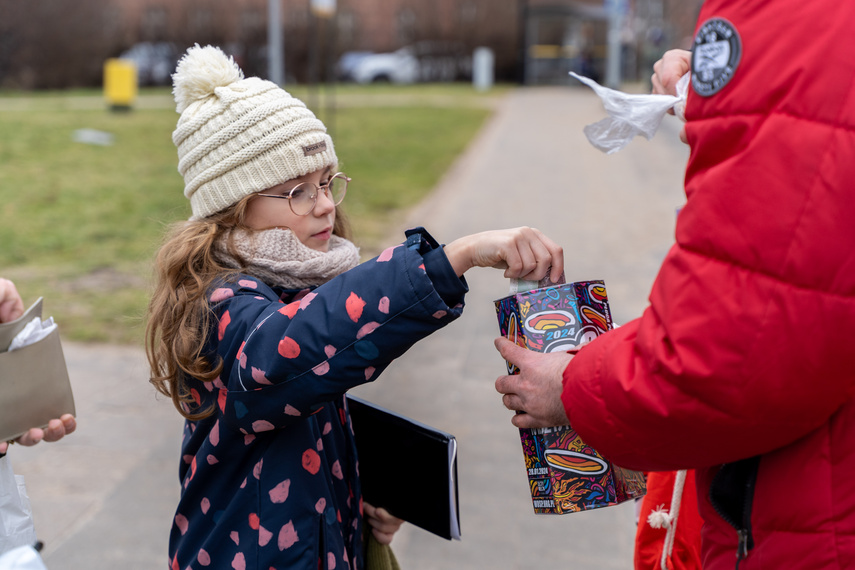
120, 83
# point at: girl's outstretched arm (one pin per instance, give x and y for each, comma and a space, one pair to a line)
524, 253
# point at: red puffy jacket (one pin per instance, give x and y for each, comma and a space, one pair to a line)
746, 349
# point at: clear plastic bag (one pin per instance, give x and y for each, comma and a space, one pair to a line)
631, 115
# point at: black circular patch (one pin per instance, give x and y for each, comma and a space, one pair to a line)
715, 56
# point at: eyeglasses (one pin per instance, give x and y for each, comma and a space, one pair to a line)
303, 197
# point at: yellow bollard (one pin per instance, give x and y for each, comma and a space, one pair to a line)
120, 84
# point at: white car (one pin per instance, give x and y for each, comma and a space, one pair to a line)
400, 66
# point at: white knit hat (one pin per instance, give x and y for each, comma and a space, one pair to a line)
238, 136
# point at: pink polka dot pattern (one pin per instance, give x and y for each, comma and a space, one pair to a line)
274, 467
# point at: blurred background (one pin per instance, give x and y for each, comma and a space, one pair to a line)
88, 177
56, 44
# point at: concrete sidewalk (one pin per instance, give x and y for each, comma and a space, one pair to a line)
104, 498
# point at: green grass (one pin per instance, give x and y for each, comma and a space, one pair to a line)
80, 223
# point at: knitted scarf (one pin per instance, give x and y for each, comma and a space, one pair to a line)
278, 258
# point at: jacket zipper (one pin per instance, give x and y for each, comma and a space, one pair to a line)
741, 550
745, 539
741, 546
744, 535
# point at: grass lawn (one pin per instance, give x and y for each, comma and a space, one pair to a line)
79, 223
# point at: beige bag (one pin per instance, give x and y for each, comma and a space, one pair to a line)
34, 385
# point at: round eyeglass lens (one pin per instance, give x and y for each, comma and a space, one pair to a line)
338, 187
302, 199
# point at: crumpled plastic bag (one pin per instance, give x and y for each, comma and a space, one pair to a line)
22, 558
631, 115
33, 332
16, 516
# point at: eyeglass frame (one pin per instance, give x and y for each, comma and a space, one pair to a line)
318, 188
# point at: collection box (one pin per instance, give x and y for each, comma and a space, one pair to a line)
565, 474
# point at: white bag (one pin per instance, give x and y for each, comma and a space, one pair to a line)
16, 516
22, 558
631, 115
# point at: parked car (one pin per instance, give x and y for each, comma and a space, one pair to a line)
155, 61
421, 61
400, 66
347, 62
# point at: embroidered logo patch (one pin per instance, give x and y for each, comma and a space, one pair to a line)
715, 56
315, 148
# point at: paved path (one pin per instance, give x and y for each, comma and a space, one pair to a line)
103, 498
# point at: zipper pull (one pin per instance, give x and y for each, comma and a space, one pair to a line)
742, 544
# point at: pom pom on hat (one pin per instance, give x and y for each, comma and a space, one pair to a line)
237, 136
199, 72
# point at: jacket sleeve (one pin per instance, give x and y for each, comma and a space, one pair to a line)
288, 360
745, 346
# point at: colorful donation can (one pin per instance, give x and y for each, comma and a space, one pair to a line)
565, 475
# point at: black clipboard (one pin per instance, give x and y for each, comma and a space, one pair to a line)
406, 467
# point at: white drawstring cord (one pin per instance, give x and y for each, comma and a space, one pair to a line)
662, 518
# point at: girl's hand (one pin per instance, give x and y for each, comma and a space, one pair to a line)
524, 253
11, 305
383, 525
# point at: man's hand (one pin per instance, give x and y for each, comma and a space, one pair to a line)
536, 390
55, 431
667, 72
11, 305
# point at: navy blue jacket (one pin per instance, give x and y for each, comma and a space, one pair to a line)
270, 480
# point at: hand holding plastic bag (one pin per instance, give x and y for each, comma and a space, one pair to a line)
631, 115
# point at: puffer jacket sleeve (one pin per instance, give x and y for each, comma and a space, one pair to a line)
746, 344
284, 361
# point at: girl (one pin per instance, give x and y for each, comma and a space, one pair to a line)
263, 318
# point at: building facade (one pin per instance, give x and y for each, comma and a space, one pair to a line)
46, 43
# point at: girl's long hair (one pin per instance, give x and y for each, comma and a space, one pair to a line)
179, 315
